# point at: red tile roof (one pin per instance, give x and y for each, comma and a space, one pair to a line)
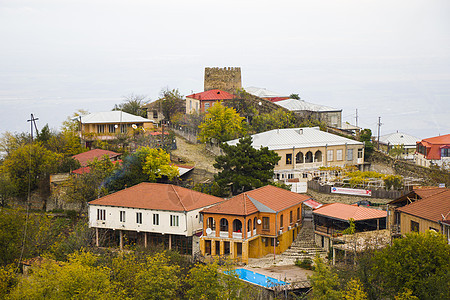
345, 212
87, 169
274, 198
435, 144
425, 192
431, 208
159, 197
212, 95
88, 156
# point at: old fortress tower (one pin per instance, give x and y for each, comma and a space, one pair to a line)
226, 79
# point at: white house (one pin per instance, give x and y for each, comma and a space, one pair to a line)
150, 214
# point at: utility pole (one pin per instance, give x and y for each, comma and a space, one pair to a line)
379, 125
32, 121
356, 118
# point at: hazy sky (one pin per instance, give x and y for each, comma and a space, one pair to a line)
386, 58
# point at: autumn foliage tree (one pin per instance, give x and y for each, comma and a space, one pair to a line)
221, 123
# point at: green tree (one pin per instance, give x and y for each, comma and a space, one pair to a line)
397, 150
222, 124
78, 278
324, 282
8, 280
72, 123
9, 142
172, 103
294, 96
243, 167
132, 104
275, 120
419, 262
354, 290
366, 137
28, 165
157, 164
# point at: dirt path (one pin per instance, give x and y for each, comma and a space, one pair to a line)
194, 155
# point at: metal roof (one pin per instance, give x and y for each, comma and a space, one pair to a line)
306, 137
399, 138
298, 105
115, 116
262, 93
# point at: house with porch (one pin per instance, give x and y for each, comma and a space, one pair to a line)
106, 125
303, 150
201, 102
330, 220
149, 214
252, 224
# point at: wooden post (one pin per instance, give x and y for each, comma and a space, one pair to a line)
96, 237
334, 256
145, 239
170, 242
121, 239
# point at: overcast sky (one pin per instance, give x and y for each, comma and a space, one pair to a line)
386, 58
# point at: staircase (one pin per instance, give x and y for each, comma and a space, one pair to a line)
304, 245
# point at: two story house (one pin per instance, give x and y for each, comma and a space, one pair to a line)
435, 150
201, 102
150, 214
252, 224
306, 149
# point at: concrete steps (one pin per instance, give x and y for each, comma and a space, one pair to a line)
304, 245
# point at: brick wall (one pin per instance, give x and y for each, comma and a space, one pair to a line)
227, 79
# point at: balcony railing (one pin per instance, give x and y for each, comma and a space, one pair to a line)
237, 235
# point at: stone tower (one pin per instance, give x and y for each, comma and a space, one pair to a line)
227, 79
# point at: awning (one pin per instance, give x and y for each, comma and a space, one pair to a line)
313, 204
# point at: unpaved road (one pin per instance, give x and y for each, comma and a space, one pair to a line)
194, 155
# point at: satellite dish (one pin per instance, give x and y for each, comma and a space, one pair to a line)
116, 126
208, 231
259, 221
134, 126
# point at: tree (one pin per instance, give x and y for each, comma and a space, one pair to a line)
354, 290
132, 104
222, 124
324, 282
9, 142
243, 167
172, 103
157, 164
29, 164
72, 123
397, 150
366, 137
275, 120
294, 96
419, 262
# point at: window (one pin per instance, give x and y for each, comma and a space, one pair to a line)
190, 105
200, 220
155, 114
298, 213
139, 218
414, 226
101, 214
288, 159
265, 223
360, 153
207, 106
155, 219
291, 217
174, 220
281, 221
111, 128
100, 128
330, 155
350, 154
122, 216
123, 128
339, 154
445, 152
290, 176
196, 106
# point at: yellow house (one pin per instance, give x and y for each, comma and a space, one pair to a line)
305, 149
106, 125
252, 224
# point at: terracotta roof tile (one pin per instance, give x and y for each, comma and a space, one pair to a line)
88, 156
345, 212
158, 196
212, 95
430, 208
274, 198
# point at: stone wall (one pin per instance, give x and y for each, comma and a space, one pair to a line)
227, 79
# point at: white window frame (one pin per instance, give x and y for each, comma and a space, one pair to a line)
350, 154
339, 154
207, 106
101, 128
122, 216
360, 153
101, 214
174, 220
155, 219
139, 218
330, 155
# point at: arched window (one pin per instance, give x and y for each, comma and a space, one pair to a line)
318, 156
223, 224
255, 222
299, 158
237, 225
211, 223
249, 225
309, 157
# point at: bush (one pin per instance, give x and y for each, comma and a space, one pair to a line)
305, 263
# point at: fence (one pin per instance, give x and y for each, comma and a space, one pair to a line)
376, 193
